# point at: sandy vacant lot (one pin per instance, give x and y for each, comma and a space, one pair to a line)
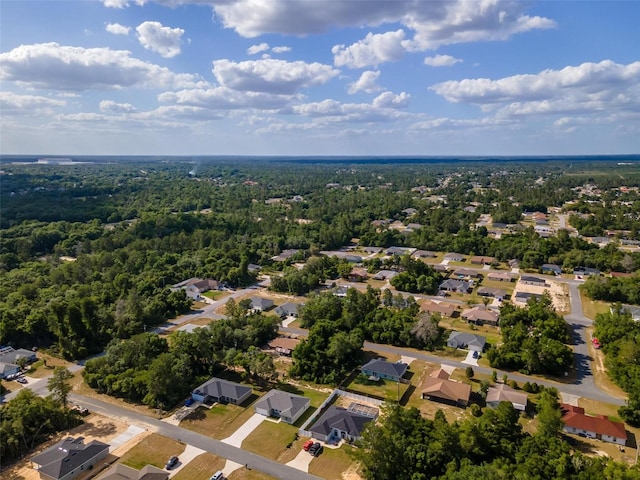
558, 291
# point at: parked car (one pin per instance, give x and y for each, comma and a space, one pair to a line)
188, 402
318, 451
80, 409
315, 447
307, 445
217, 476
21, 380
172, 462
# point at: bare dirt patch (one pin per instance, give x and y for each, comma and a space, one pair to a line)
559, 293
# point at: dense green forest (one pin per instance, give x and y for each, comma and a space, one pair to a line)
88, 251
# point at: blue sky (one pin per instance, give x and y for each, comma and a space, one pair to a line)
319, 77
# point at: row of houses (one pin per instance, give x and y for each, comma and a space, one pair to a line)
10, 358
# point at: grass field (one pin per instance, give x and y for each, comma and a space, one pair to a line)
244, 474
270, 440
215, 294
220, 421
383, 389
590, 308
201, 467
152, 450
45, 364
332, 463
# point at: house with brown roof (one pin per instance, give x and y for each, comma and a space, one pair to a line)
467, 273
358, 275
492, 292
284, 346
504, 393
120, 471
440, 389
600, 427
442, 308
482, 260
481, 316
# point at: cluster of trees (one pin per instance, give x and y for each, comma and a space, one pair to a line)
315, 271
416, 277
619, 336
614, 289
533, 339
28, 420
404, 445
158, 372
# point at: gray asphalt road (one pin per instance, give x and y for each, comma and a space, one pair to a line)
243, 457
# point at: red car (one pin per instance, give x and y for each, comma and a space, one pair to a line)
307, 445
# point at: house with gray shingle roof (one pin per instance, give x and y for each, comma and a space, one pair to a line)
288, 309
223, 391
452, 285
466, 340
380, 368
339, 422
120, 471
260, 304
284, 405
69, 458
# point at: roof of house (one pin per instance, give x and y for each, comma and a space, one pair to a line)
482, 259
286, 403
378, 365
340, 419
478, 313
284, 255
8, 368
455, 284
525, 296
500, 276
551, 266
217, 387
284, 343
385, 275
11, 355
261, 303
67, 455
504, 393
287, 308
531, 279
453, 256
494, 292
446, 389
575, 417
463, 338
358, 272
466, 272
399, 250
441, 308
120, 471
424, 254
441, 373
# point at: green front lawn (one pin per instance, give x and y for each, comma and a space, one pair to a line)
270, 440
385, 389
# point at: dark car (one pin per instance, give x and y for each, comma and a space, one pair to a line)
188, 402
172, 462
314, 448
318, 451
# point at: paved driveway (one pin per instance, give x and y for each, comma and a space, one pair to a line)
190, 452
470, 360
302, 461
243, 432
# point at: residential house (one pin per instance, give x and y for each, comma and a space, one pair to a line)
504, 393
586, 271
341, 291
467, 273
535, 281
634, 310
222, 391
454, 257
69, 458
358, 275
283, 405
260, 304
380, 368
120, 471
551, 268
412, 227
253, 268
400, 251
467, 340
492, 292
424, 254
522, 298
194, 287
339, 423
283, 345
385, 275
10, 358
409, 211
600, 427
288, 309
481, 316
372, 250
285, 255
452, 285
501, 276
439, 388
353, 258
482, 260
442, 308
441, 268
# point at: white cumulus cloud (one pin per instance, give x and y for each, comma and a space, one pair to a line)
366, 82
160, 39
281, 49
117, 29
391, 100
441, 61
14, 104
253, 49
373, 50
222, 98
271, 75
115, 3
75, 69
114, 107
